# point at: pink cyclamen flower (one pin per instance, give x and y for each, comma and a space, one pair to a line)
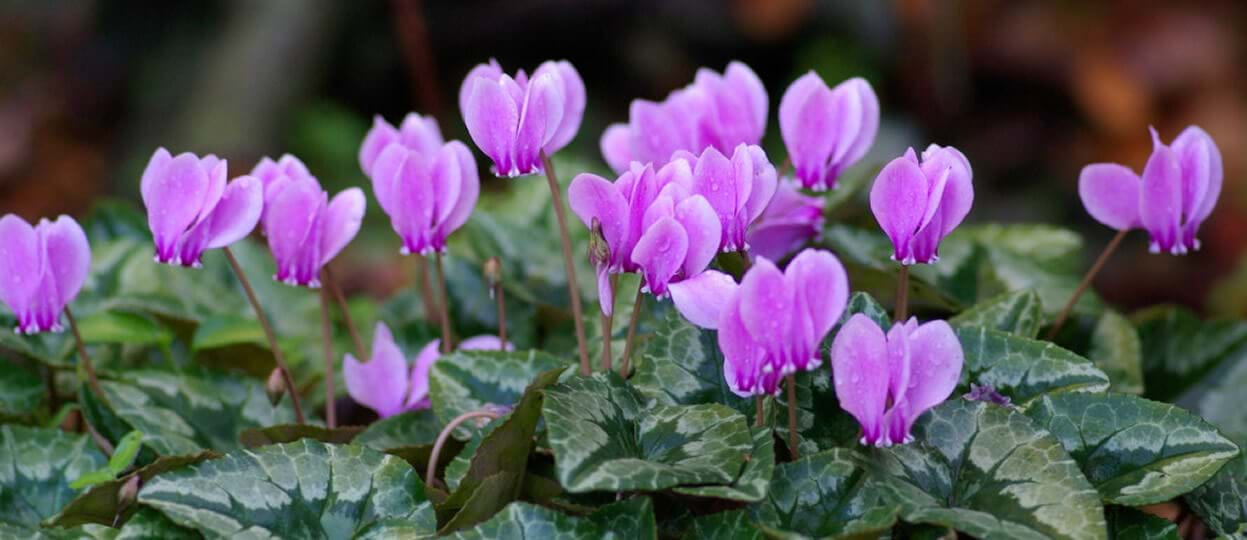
827, 130
714, 111
416, 133
191, 208
887, 381
739, 189
42, 268
514, 119
387, 385
918, 203
651, 223
1177, 192
428, 191
791, 220
306, 229
773, 323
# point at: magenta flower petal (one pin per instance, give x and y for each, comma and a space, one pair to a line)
573, 106
216, 170
233, 218
702, 298
380, 136
616, 146
899, 200
763, 185
173, 194
660, 254
749, 92
659, 137
592, 197
702, 229
743, 358
1203, 176
827, 130
936, 358
293, 221
1160, 200
768, 308
418, 388
493, 119
1110, 193
386, 174
821, 287
420, 133
381, 384
490, 71
868, 107
21, 267
957, 194
341, 222
790, 220
540, 115
42, 270
861, 373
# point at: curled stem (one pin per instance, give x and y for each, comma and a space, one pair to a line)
93, 382
625, 366
573, 290
329, 283
792, 417
1085, 284
902, 294
444, 303
445, 434
278, 358
326, 330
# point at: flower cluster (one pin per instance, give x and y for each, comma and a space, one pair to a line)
42, 268
1177, 192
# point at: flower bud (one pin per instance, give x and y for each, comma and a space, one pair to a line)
275, 387
599, 250
127, 495
493, 273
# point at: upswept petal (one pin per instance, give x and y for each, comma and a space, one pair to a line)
660, 253
860, 371
380, 384
236, 214
1110, 193
821, 286
573, 90
445, 183
743, 83
702, 229
22, 265
1201, 162
290, 221
173, 199
846, 117
767, 307
1160, 209
868, 107
388, 172
493, 119
655, 135
341, 222
898, 201
539, 120
217, 177
380, 136
420, 133
154, 171
958, 194
714, 178
68, 257
703, 298
490, 71
418, 388
469, 190
743, 358
616, 146
806, 123
593, 197
764, 184
936, 358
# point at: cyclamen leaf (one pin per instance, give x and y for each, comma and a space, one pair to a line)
124, 328
298, 490
1125, 522
21, 392
123, 455
36, 466
626, 520
465, 381
100, 503
1116, 350
605, 440
1179, 349
407, 429
824, 495
1135, 451
682, 365
1222, 501
1019, 313
730, 525
754, 479
285, 433
989, 472
1024, 369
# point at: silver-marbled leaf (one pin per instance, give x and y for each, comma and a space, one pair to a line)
824, 495
465, 381
1019, 313
631, 519
1022, 368
36, 467
754, 479
1116, 350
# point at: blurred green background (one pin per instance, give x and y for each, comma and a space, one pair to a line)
1030, 91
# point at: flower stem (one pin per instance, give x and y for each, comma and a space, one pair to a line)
443, 303
607, 322
1086, 282
445, 434
278, 358
758, 418
426, 290
502, 315
625, 365
93, 382
792, 417
326, 330
902, 295
573, 289
100, 440
329, 283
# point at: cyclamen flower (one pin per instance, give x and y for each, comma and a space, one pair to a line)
387, 385
513, 120
771, 324
738, 189
650, 223
305, 229
887, 381
428, 191
918, 203
715, 111
1177, 192
417, 133
827, 130
42, 268
191, 209
791, 220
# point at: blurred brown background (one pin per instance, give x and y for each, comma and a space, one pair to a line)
1031, 91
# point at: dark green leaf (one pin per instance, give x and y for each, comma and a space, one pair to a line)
465, 381
605, 440
1222, 501
630, 519
22, 393
411, 428
730, 525
124, 328
100, 504
285, 433
303, 489
754, 479
824, 495
1019, 313
988, 471
1023, 369
1116, 350
36, 466
123, 456
1179, 349
1135, 451
682, 365
1126, 523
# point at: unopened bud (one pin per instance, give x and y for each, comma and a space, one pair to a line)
128, 493
493, 273
275, 387
599, 251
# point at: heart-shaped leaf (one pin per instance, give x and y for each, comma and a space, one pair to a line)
989, 472
631, 519
1019, 313
411, 428
1125, 522
101, 503
36, 466
304, 489
754, 479
1179, 349
824, 495
285, 433
465, 381
1133, 450
1116, 350
21, 392
730, 525
604, 439
1222, 501
1022, 368
682, 365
